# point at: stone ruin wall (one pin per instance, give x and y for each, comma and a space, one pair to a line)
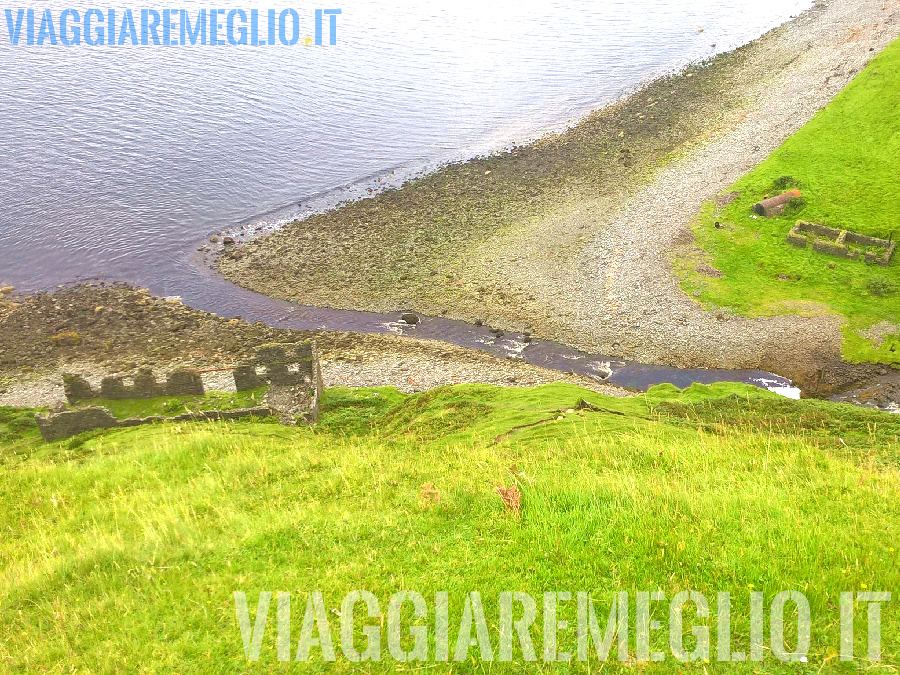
836, 242
58, 426
141, 385
291, 372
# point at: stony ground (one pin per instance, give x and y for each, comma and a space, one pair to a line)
570, 238
882, 392
99, 330
626, 292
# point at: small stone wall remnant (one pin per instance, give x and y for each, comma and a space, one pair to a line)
77, 388
245, 378
840, 242
56, 426
142, 385
185, 382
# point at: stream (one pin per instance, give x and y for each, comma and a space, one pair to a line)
217, 295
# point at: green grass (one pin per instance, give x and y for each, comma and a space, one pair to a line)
170, 406
18, 432
124, 552
845, 163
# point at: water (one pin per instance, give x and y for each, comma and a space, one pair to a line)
117, 162
608, 369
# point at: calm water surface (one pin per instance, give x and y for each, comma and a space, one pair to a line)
117, 162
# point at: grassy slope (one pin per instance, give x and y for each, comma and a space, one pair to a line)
123, 550
846, 161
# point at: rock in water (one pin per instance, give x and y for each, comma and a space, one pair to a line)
410, 318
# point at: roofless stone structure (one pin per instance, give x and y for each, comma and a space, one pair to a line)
290, 371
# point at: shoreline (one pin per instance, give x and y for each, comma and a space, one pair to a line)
521, 240
97, 329
71, 330
394, 177
632, 267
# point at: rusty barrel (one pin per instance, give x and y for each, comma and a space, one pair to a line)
774, 206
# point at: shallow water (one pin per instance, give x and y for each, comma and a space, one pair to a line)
116, 162
612, 370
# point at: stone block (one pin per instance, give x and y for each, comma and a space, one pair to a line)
56, 426
245, 378
77, 388
114, 389
145, 385
185, 382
